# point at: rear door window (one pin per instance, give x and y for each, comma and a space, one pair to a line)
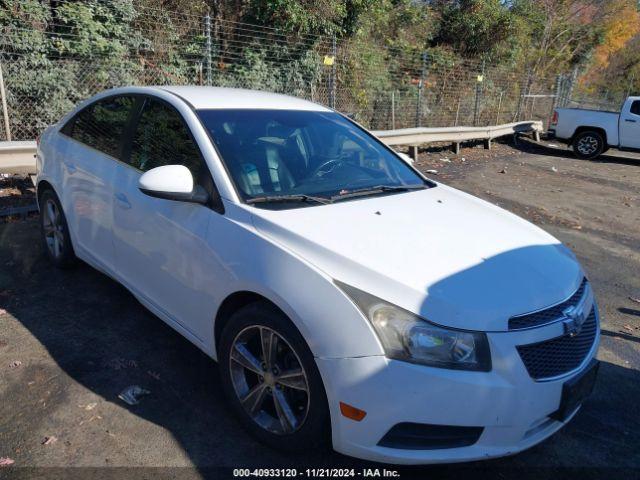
102, 124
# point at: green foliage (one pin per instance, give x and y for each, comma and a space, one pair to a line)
256, 71
80, 47
318, 17
475, 27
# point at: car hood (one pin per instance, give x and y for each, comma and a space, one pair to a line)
452, 258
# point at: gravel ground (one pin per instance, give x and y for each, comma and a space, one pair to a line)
71, 341
15, 191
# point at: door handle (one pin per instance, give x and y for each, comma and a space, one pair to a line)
71, 168
630, 120
122, 200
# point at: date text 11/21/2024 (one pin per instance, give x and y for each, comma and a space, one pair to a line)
317, 472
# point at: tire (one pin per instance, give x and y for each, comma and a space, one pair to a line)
55, 231
245, 332
588, 144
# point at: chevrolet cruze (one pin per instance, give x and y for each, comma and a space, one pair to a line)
346, 298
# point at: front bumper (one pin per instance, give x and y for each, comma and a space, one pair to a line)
513, 409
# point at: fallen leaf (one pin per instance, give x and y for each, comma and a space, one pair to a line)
153, 374
90, 406
6, 461
3, 311
634, 299
628, 328
15, 364
49, 440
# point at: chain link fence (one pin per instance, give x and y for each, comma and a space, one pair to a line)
381, 87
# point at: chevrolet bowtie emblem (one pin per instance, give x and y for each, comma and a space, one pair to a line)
574, 320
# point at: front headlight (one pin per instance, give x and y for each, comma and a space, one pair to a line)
407, 337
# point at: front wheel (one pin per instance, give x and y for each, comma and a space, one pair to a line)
270, 378
588, 144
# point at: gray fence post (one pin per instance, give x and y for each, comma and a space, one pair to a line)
5, 112
207, 59
393, 109
562, 93
572, 81
479, 83
332, 77
527, 88
423, 75
556, 98
630, 88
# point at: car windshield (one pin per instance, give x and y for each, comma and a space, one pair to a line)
280, 156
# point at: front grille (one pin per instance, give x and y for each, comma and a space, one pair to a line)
547, 315
559, 355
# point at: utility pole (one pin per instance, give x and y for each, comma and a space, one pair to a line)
207, 59
423, 75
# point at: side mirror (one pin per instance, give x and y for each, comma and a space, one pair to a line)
172, 182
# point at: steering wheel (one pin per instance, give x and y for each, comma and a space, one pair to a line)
322, 167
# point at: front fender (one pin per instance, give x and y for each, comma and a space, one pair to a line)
330, 323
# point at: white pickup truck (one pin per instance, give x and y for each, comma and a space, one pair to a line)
592, 132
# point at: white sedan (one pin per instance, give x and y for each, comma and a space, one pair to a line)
345, 297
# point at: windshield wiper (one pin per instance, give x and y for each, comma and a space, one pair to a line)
377, 189
288, 198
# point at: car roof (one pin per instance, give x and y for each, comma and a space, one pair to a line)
201, 97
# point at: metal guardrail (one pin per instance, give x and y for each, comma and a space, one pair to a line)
418, 136
18, 157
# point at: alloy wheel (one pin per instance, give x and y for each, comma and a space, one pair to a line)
53, 228
269, 380
587, 145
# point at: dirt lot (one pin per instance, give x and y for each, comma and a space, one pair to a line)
71, 341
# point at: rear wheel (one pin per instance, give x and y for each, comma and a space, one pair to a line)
55, 232
270, 378
588, 144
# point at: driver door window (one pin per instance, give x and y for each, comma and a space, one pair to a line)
162, 138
